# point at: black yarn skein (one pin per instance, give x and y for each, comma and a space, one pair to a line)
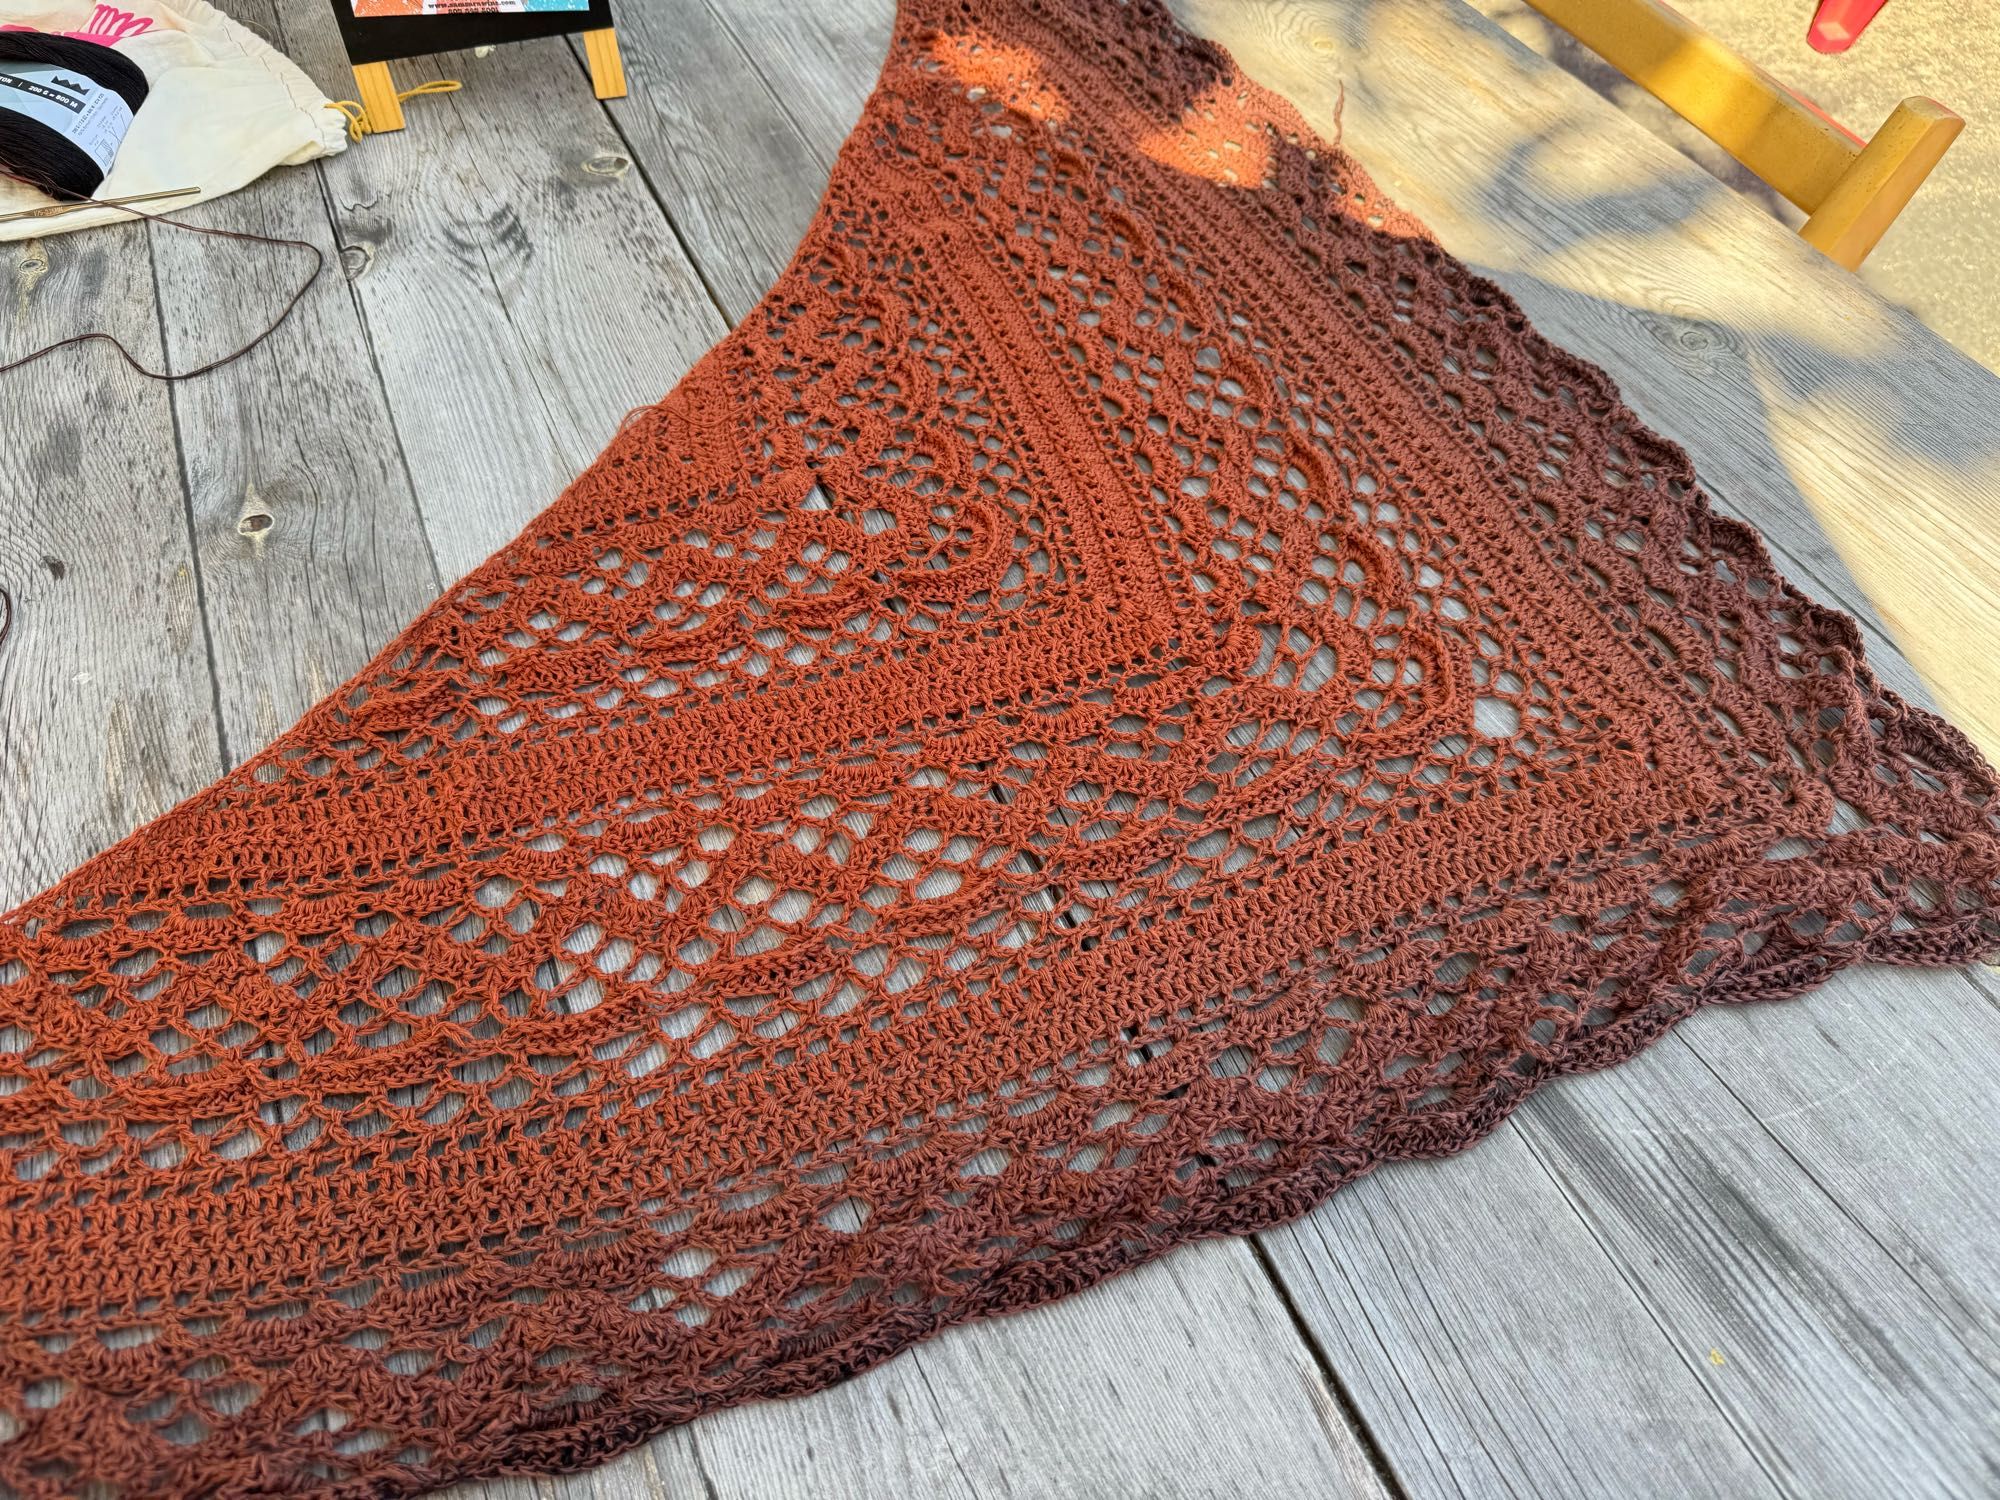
33, 153
30, 152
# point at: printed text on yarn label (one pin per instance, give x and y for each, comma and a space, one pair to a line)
93, 118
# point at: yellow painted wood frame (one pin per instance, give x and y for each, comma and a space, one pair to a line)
607, 68
380, 108
1851, 189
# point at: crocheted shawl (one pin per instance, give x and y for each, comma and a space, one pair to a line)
1130, 691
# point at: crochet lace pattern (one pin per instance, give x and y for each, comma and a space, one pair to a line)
1130, 691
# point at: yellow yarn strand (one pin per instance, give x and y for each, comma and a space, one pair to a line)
357, 117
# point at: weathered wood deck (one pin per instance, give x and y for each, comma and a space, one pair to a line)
1759, 1261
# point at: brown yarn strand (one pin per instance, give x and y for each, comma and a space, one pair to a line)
1131, 691
100, 336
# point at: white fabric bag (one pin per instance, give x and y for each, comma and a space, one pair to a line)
224, 108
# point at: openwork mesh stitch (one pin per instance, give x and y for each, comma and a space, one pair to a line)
1130, 691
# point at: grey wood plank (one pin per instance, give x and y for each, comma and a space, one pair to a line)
311, 551
1841, 1373
106, 715
1487, 1352
1494, 1348
819, 60
1182, 1378
738, 180
1822, 1274
523, 290
1872, 1096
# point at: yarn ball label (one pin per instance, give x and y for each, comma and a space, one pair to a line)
92, 117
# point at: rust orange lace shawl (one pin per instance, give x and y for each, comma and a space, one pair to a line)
1131, 690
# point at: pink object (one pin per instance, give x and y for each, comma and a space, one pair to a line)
1838, 23
108, 26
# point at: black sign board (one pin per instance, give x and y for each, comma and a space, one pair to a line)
373, 42
386, 38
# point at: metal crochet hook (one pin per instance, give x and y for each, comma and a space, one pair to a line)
53, 210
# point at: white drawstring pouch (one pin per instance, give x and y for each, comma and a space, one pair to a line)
224, 107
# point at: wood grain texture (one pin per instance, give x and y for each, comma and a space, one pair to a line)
310, 550
1843, 1374
106, 704
1867, 1092
819, 60
521, 288
728, 166
1492, 1345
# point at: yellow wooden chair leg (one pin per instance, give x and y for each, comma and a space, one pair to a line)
607, 68
1781, 137
1881, 180
384, 112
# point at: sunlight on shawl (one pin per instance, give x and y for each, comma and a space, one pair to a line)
1003, 77
1204, 147
1861, 446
